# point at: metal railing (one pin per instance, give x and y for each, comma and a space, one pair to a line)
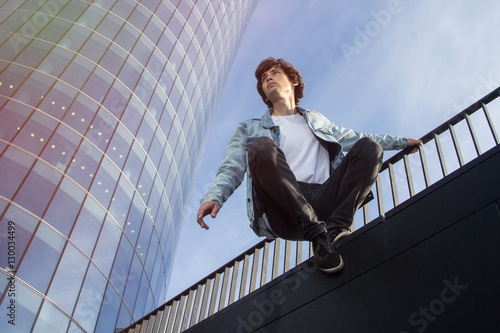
446, 148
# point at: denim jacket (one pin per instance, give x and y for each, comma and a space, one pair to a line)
334, 138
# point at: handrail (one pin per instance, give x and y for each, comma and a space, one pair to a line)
447, 148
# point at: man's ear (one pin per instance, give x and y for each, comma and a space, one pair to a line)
295, 83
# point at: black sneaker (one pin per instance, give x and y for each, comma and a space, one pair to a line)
326, 256
337, 234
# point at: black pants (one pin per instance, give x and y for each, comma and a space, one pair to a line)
302, 211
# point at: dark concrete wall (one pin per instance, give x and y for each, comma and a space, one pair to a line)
433, 265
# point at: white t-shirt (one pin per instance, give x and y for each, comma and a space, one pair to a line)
306, 157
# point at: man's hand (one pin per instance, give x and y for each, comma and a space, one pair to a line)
208, 207
413, 144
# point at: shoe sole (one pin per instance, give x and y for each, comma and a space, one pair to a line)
334, 269
343, 234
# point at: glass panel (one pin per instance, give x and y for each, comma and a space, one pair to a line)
85, 164
65, 207
14, 165
127, 37
78, 71
50, 319
41, 258
120, 146
67, 282
110, 25
95, 47
24, 227
134, 163
55, 30
133, 225
119, 275
61, 147
37, 190
105, 182
58, 99
88, 225
27, 305
107, 245
74, 38
34, 134
109, 311
133, 282
121, 201
117, 99
81, 113
90, 299
98, 84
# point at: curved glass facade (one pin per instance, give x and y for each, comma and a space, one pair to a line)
103, 111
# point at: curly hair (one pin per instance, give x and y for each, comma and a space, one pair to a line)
291, 72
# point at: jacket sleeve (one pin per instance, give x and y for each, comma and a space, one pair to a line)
347, 138
231, 170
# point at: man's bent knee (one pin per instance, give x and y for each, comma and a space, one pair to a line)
261, 145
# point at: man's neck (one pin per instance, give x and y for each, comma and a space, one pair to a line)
284, 108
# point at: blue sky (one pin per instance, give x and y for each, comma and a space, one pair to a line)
397, 67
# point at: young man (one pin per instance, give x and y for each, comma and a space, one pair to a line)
300, 186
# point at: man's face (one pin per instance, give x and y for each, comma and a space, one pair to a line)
274, 81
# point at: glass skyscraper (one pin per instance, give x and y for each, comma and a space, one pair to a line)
104, 107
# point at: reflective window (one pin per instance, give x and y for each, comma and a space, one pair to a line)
36, 51
154, 29
88, 225
57, 100
67, 281
119, 147
104, 182
12, 118
133, 282
34, 134
113, 59
51, 319
41, 258
134, 163
27, 305
121, 201
77, 72
94, 47
17, 165
69, 198
110, 25
117, 99
123, 8
89, 301
107, 245
127, 37
134, 112
25, 225
97, 84
146, 131
109, 311
121, 267
40, 184
83, 166
61, 147
91, 18
101, 129
135, 218
55, 30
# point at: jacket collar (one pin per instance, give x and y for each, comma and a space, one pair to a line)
267, 121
